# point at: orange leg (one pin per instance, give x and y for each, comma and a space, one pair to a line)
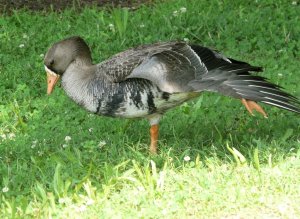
154, 138
251, 105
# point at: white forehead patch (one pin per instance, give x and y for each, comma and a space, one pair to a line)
50, 71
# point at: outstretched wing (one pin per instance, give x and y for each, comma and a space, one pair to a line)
171, 66
233, 78
178, 67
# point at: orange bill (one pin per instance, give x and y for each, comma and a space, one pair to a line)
52, 78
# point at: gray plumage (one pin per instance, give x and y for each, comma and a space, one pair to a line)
151, 79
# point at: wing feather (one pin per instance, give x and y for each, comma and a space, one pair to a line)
171, 66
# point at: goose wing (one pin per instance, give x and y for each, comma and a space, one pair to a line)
171, 66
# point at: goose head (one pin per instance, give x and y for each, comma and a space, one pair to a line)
61, 55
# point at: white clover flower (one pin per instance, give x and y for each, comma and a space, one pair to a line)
68, 138
25, 36
11, 135
186, 158
182, 10
111, 27
142, 25
186, 40
90, 129
101, 144
294, 3
34, 144
280, 75
42, 55
175, 13
90, 202
40, 153
64, 145
61, 200
21, 45
3, 136
5, 189
81, 208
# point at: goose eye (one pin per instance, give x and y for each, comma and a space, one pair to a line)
52, 62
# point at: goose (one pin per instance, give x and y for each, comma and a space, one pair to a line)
148, 80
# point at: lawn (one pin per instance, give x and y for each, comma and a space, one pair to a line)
215, 160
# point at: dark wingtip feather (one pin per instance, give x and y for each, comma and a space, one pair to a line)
234, 78
261, 90
288, 102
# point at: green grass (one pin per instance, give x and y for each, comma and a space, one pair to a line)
240, 166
